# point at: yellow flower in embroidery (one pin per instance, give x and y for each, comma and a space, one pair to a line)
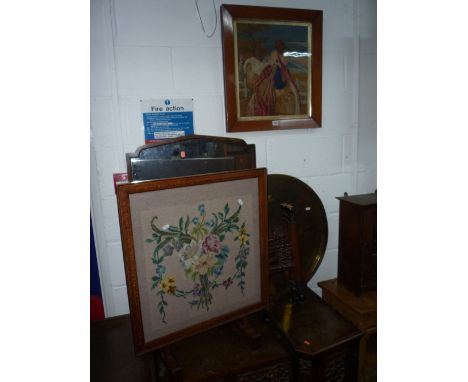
168, 285
243, 235
204, 263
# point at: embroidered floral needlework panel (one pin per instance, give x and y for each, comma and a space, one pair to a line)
197, 253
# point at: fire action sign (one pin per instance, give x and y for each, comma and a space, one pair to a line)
167, 118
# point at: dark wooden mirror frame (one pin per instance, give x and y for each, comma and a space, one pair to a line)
141, 344
230, 13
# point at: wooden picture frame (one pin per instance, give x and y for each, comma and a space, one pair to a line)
272, 61
195, 253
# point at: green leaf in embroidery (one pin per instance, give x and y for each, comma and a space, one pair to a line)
187, 224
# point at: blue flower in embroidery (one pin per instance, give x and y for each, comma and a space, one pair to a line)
201, 209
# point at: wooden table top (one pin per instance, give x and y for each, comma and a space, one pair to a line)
313, 328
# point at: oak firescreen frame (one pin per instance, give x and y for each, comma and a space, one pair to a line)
195, 253
272, 61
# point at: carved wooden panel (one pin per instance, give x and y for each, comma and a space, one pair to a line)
280, 372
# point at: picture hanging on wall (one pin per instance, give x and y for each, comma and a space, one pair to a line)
272, 67
194, 251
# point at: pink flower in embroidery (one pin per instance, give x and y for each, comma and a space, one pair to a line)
211, 244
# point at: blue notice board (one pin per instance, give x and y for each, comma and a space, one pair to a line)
167, 118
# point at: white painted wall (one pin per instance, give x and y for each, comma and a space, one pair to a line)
367, 96
156, 49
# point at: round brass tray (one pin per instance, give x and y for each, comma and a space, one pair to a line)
311, 221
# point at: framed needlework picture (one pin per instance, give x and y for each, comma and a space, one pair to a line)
272, 67
194, 251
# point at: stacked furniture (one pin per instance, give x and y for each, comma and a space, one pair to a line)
354, 293
298, 338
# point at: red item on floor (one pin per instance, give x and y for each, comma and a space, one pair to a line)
97, 308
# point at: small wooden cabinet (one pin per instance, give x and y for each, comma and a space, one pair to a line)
357, 244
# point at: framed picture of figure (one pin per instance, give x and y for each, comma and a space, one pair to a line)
272, 61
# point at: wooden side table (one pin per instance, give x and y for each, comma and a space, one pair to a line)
362, 312
325, 344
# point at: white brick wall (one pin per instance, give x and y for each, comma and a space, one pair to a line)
329, 187
156, 49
